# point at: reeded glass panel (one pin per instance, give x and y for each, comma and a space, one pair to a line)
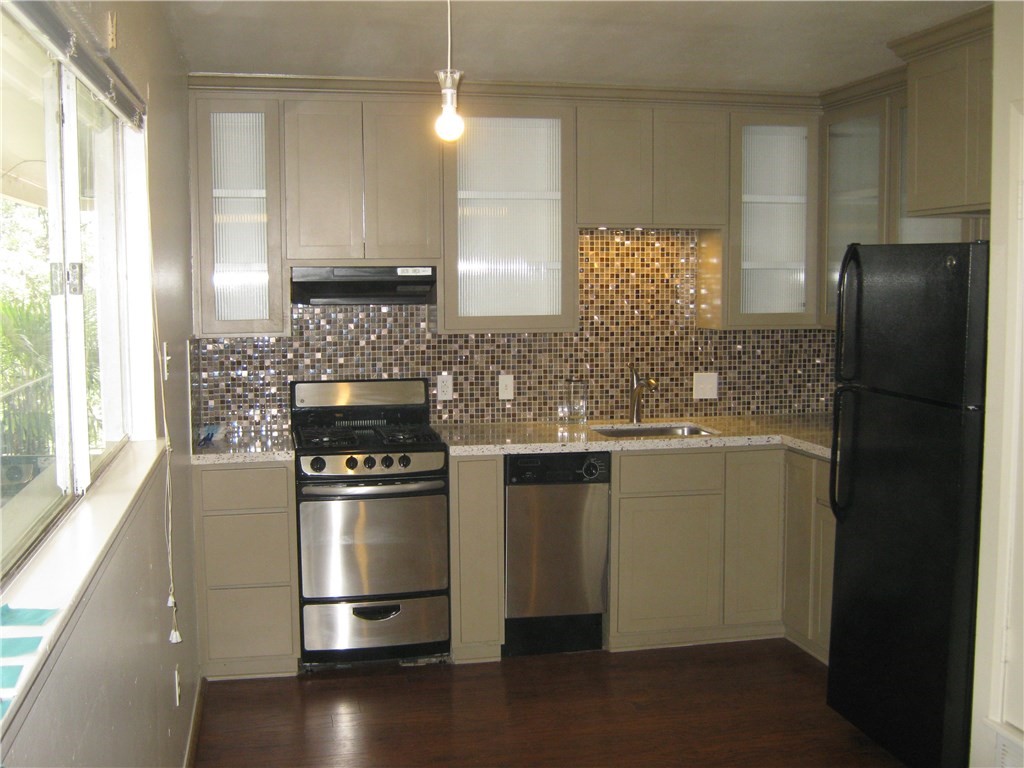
854, 188
510, 238
774, 241
240, 271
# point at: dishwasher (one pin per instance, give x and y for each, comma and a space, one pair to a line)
556, 551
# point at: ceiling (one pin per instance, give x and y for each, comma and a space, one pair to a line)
720, 45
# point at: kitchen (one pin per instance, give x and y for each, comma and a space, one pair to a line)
795, 363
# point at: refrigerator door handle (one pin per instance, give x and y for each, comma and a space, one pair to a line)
847, 312
837, 487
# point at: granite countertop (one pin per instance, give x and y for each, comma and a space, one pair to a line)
811, 434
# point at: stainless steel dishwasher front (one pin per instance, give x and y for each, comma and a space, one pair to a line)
556, 551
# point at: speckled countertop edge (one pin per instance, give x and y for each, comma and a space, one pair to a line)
810, 434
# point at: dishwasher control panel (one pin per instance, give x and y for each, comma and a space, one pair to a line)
558, 468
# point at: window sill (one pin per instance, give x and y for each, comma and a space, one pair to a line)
59, 573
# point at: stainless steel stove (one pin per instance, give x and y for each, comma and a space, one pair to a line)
372, 490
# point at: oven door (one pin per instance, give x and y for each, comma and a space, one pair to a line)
371, 546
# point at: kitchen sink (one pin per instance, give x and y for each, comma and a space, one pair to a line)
653, 430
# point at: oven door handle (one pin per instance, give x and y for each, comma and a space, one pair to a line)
341, 491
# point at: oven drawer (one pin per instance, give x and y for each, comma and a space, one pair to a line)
359, 548
346, 626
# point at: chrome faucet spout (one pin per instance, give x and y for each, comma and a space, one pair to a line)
637, 386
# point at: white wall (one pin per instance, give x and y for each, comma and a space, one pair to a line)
107, 697
999, 686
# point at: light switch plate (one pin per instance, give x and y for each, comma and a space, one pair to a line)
445, 386
506, 386
705, 386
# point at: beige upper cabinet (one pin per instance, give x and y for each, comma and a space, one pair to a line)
949, 115
764, 275
510, 256
236, 205
323, 179
362, 181
661, 166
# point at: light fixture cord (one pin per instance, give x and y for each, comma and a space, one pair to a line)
449, 35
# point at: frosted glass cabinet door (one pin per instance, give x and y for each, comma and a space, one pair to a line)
855, 171
239, 284
510, 252
772, 270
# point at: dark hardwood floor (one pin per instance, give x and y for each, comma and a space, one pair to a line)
738, 704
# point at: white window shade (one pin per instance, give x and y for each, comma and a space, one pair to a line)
509, 218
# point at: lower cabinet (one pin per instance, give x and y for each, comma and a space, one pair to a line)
809, 554
246, 566
477, 526
696, 547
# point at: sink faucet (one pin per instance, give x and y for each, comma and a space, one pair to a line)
637, 386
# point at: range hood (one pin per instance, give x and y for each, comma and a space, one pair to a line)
315, 286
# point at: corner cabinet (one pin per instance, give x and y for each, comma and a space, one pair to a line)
659, 167
510, 255
809, 555
949, 114
246, 569
767, 275
238, 286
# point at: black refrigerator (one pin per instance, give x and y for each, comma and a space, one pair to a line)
905, 489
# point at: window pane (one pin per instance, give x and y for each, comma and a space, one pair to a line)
99, 206
32, 481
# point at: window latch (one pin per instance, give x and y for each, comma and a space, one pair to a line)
75, 278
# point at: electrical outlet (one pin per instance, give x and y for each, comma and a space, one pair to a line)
445, 386
177, 686
506, 386
705, 386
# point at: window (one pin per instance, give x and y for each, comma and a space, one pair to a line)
64, 356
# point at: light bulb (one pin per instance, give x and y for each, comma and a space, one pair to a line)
449, 125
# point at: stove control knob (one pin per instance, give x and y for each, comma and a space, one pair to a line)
351, 462
404, 461
369, 462
317, 464
387, 462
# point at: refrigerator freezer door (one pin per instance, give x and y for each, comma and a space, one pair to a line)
912, 320
906, 499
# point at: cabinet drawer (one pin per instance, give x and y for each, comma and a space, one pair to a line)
249, 622
264, 488
246, 549
671, 472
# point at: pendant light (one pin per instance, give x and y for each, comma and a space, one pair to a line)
449, 125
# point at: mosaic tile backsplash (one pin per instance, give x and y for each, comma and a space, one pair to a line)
637, 304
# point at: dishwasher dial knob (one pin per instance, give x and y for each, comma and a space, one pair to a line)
404, 461
387, 462
351, 462
317, 464
369, 462
591, 468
